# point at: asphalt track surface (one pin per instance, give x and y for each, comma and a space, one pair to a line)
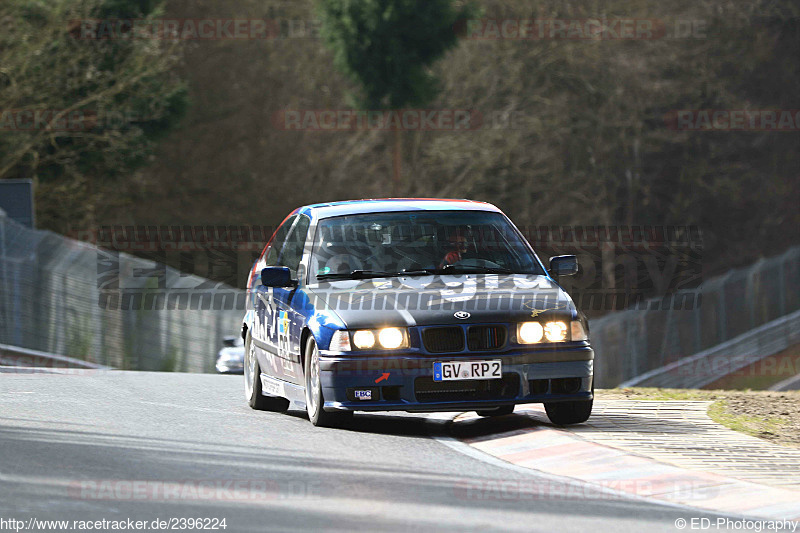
72, 447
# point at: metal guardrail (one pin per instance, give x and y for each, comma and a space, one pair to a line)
66, 297
659, 333
23, 357
737, 353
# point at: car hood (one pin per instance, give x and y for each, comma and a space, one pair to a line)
429, 300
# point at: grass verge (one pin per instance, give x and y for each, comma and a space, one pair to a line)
774, 416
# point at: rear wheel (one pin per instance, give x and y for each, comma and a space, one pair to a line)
252, 382
497, 411
314, 398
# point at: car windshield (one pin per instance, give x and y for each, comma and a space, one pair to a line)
419, 243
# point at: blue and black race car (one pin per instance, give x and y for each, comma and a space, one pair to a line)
414, 305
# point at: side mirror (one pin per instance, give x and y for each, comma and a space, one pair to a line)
564, 265
276, 277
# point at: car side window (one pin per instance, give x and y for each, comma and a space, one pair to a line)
274, 250
293, 251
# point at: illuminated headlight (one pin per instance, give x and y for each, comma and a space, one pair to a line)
364, 339
555, 331
386, 338
391, 338
578, 333
529, 332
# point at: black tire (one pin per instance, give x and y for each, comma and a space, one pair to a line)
314, 398
252, 383
497, 411
567, 413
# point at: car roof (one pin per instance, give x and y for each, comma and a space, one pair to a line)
383, 205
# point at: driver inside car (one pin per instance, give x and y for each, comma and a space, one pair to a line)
457, 245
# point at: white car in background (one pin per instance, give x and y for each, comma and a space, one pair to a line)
230, 359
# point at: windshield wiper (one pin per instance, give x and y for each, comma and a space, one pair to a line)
356, 274
361, 274
417, 271
447, 269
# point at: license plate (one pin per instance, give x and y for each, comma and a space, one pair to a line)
455, 370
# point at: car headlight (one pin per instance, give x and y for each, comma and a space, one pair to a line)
391, 338
364, 339
529, 332
385, 338
578, 333
555, 331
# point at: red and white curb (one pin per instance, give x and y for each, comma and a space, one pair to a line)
669, 452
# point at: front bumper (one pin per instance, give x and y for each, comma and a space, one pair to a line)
529, 376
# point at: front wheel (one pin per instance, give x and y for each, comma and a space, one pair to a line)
314, 398
573, 412
252, 382
566, 413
